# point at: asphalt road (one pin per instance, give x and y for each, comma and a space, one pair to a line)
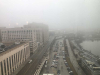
29, 69
64, 71
60, 62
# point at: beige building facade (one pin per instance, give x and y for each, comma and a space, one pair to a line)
13, 57
36, 33
20, 35
42, 31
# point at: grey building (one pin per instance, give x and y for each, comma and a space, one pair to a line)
91, 68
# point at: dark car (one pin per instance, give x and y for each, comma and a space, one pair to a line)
58, 72
68, 68
66, 64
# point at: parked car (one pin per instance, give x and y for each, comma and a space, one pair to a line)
63, 51
64, 60
66, 64
58, 72
63, 57
71, 73
54, 60
68, 68
53, 64
30, 61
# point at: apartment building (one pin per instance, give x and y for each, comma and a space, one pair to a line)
13, 56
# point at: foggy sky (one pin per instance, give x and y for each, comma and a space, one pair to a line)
55, 13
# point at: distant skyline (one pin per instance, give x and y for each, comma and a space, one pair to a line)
57, 14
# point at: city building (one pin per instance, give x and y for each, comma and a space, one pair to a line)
12, 56
36, 33
42, 31
0, 33
20, 35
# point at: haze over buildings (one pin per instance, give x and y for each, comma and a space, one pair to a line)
36, 33
84, 14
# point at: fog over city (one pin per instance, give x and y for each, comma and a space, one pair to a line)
49, 37
56, 14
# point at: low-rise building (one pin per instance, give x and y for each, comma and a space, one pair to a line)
13, 56
90, 67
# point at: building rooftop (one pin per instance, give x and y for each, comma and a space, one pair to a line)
95, 69
9, 46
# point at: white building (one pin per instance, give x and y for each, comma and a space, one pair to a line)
36, 33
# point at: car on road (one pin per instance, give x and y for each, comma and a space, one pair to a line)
58, 72
53, 64
64, 60
67, 65
53, 60
63, 51
68, 68
63, 57
71, 73
30, 61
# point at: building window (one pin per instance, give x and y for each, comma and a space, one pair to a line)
14, 59
5, 66
10, 62
1, 68
18, 55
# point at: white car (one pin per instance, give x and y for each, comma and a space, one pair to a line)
54, 60
63, 51
64, 60
30, 61
53, 64
63, 57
